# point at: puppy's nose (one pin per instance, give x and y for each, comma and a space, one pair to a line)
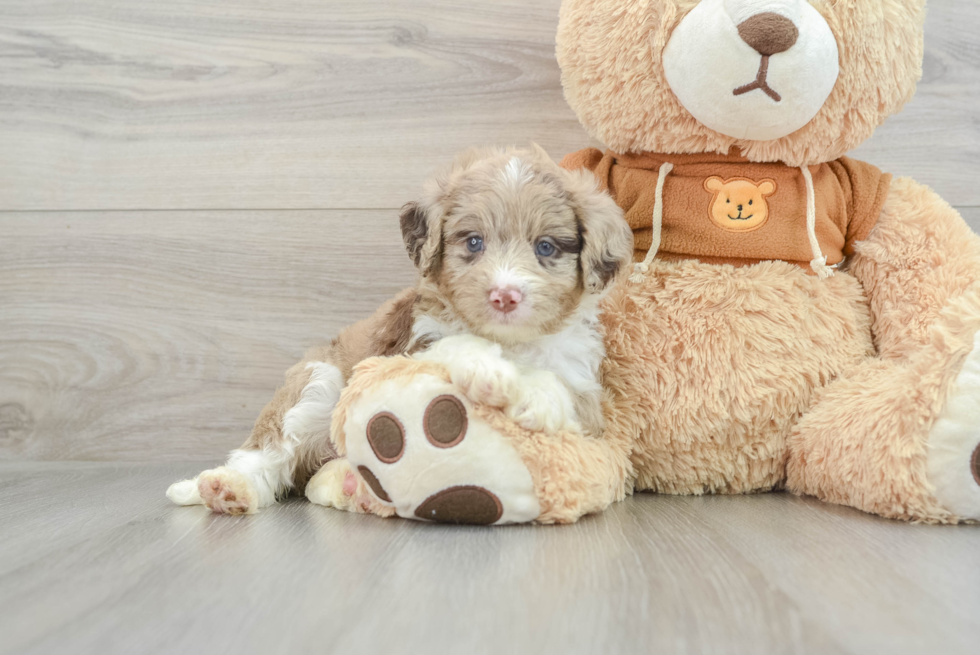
769, 33
505, 299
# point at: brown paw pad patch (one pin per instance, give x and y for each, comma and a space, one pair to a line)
372, 481
445, 421
976, 464
471, 505
386, 436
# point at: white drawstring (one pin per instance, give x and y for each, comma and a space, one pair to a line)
658, 221
819, 262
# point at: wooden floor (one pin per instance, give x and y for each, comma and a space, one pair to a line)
94, 560
194, 192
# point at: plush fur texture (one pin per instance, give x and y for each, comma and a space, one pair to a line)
611, 55
865, 443
710, 367
734, 380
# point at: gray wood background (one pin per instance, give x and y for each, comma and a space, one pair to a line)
192, 193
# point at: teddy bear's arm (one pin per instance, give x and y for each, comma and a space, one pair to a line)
920, 258
893, 436
588, 158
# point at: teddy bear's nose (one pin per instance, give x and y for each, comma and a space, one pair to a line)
740, 208
769, 33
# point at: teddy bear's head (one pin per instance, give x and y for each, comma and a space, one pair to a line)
796, 81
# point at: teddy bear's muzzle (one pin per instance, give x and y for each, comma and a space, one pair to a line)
752, 69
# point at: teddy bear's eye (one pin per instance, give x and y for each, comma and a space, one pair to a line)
728, 201
750, 202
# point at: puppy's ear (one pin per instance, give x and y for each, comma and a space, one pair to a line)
607, 240
422, 232
541, 155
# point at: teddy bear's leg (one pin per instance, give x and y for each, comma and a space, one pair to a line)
427, 451
899, 434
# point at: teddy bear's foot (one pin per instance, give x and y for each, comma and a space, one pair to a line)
428, 456
953, 463
226, 491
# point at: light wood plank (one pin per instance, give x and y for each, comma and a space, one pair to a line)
94, 559
936, 138
334, 104
162, 334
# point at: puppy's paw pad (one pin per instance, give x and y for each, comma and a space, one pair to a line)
226, 491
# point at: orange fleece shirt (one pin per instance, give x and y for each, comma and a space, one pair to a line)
724, 209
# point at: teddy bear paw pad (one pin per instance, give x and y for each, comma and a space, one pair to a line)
953, 461
473, 505
424, 451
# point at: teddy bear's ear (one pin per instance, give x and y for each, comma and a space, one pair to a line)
422, 232
714, 184
607, 240
767, 187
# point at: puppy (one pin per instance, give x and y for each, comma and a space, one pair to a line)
514, 255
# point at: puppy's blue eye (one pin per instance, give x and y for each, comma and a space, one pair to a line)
474, 244
544, 249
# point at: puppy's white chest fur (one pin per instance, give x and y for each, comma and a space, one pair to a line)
574, 354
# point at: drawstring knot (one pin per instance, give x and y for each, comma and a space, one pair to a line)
819, 261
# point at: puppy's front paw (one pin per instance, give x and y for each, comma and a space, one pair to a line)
543, 404
334, 485
226, 491
488, 379
476, 366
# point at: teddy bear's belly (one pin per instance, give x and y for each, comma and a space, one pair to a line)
710, 367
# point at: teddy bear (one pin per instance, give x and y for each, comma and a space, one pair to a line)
795, 319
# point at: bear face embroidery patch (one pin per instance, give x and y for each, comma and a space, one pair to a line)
739, 204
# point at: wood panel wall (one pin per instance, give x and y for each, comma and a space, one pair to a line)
193, 192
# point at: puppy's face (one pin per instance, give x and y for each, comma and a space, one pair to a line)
513, 244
